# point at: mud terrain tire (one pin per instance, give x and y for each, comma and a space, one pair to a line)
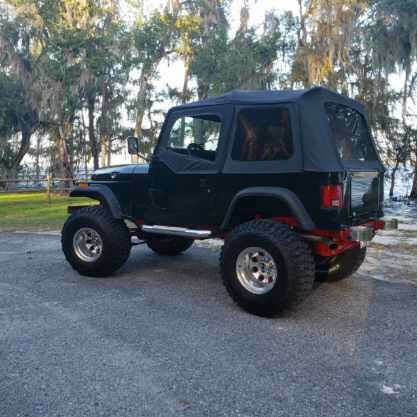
115, 241
347, 263
293, 259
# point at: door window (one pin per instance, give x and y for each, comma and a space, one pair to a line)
263, 134
196, 136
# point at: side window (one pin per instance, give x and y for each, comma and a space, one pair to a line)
263, 134
196, 136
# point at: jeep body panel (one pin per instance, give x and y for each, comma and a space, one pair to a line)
283, 195
128, 185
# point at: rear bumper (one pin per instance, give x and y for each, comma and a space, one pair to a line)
365, 233
327, 243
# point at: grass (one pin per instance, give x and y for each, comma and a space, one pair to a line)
33, 212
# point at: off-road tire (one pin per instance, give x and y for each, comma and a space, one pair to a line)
113, 232
293, 259
349, 262
168, 245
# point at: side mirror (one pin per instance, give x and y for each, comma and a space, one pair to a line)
132, 145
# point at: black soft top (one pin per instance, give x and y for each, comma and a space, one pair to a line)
272, 97
318, 149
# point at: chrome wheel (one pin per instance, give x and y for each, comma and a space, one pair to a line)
88, 244
256, 270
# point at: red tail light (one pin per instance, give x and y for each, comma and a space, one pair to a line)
331, 196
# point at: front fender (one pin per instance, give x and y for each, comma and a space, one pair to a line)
101, 193
282, 194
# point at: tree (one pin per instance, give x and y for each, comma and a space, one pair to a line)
153, 40
18, 121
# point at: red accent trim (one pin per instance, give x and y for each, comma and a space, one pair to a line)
339, 238
321, 249
376, 224
289, 221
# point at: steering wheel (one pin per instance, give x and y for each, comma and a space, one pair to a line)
192, 147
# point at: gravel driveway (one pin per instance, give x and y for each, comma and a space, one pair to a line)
163, 338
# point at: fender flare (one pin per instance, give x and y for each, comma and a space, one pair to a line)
282, 194
103, 194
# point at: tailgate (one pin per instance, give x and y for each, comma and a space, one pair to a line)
366, 196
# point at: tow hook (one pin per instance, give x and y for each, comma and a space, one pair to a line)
390, 224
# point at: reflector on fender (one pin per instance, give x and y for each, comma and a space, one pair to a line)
83, 184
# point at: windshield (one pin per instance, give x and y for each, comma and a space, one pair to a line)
350, 133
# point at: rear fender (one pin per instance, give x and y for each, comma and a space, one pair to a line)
283, 195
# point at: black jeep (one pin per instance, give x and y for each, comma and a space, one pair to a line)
291, 181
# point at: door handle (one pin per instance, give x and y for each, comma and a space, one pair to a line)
203, 183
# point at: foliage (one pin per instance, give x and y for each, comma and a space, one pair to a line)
70, 70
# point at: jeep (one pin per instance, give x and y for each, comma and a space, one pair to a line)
290, 180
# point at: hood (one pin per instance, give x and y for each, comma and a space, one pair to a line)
120, 170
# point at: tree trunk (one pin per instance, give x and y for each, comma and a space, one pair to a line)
393, 173
405, 94
13, 168
105, 125
11, 175
95, 151
140, 109
413, 194
66, 174
37, 159
84, 146
109, 151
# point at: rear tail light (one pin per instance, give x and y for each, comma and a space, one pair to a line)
331, 196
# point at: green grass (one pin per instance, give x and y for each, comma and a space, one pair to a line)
33, 212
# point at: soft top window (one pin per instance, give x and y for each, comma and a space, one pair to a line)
196, 135
263, 134
350, 133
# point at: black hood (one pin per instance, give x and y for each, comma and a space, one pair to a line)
120, 170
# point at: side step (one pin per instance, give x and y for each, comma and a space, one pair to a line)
176, 231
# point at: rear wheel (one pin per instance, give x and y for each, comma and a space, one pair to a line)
342, 266
266, 267
94, 243
168, 245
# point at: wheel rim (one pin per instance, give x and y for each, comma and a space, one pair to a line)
256, 270
88, 244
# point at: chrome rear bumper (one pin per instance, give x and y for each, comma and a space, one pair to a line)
366, 233
362, 233
390, 224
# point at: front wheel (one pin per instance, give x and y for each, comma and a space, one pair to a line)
94, 243
266, 267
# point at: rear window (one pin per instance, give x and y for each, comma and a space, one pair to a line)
350, 133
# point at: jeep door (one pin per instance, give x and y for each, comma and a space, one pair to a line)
186, 165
